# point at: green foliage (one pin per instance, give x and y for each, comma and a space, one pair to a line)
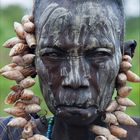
7, 17
133, 32
13, 13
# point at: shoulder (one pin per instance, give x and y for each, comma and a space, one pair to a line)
3, 127
8, 133
133, 131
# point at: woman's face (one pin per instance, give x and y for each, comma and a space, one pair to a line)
78, 58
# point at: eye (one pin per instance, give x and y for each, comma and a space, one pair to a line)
98, 53
52, 53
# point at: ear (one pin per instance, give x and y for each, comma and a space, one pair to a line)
129, 48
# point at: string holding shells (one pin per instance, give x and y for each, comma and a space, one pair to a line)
114, 114
21, 70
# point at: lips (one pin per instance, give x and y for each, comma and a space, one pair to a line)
76, 115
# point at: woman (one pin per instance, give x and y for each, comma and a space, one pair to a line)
80, 58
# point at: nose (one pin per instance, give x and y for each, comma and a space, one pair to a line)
77, 77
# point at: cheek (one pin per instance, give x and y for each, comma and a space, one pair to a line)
104, 72
108, 72
54, 73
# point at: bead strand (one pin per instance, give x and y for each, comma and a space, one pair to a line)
50, 126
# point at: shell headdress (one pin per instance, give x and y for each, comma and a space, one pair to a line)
22, 69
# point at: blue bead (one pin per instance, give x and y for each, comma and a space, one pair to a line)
50, 127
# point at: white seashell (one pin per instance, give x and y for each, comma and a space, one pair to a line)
27, 82
117, 131
18, 49
38, 137
29, 27
26, 18
27, 94
16, 88
13, 75
28, 58
124, 91
8, 67
121, 79
34, 100
18, 60
125, 101
112, 137
127, 58
30, 39
12, 97
125, 66
100, 138
27, 131
20, 105
112, 106
32, 108
124, 118
17, 122
28, 71
19, 30
12, 42
132, 77
16, 112
110, 119
121, 108
98, 130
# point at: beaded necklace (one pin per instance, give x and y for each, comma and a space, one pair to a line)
50, 127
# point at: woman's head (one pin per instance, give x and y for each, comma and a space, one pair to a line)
78, 54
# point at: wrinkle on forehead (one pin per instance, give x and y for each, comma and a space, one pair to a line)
89, 25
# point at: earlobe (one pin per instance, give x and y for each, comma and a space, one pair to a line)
129, 47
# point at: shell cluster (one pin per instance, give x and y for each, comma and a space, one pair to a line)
115, 112
21, 69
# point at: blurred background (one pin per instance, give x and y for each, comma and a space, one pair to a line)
13, 10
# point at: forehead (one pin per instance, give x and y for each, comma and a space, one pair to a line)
88, 24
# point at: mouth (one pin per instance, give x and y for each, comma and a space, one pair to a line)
77, 115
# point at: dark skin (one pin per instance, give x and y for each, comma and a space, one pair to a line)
78, 58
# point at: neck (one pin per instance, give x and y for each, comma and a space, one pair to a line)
64, 131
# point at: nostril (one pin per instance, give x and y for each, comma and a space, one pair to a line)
69, 87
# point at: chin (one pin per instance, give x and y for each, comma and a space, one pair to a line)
77, 116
